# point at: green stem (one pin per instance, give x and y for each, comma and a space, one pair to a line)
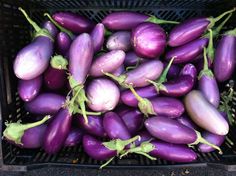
205, 67
59, 62
31, 125
231, 32
156, 20
147, 155
81, 100
223, 14
106, 163
210, 49
165, 72
119, 79
90, 113
133, 67
218, 29
137, 96
205, 71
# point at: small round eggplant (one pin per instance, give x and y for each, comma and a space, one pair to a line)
103, 95
97, 35
108, 62
115, 127
45, 103
204, 114
63, 43
94, 125
148, 40
185, 120
119, 41
131, 59
74, 137
29, 89
51, 28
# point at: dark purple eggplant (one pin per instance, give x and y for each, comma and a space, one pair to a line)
29, 89
103, 95
172, 131
97, 35
208, 85
73, 22
33, 59
148, 40
28, 135
131, 59
63, 43
108, 62
94, 125
115, 127
74, 137
45, 103
204, 114
57, 131
173, 72
119, 41
189, 69
192, 29
185, 120
51, 28
128, 20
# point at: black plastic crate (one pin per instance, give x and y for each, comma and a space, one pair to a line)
15, 33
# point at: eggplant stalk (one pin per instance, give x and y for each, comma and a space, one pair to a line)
206, 70
156, 20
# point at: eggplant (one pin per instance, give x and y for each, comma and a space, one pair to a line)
103, 95
225, 58
207, 84
189, 69
57, 131
128, 20
131, 59
29, 89
172, 131
204, 114
63, 43
115, 127
33, 59
143, 137
28, 135
94, 125
173, 72
119, 41
119, 71
45, 103
73, 22
74, 137
192, 29
148, 40
185, 120
97, 35
108, 62
51, 28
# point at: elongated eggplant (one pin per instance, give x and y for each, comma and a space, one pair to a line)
28, 135
33, 59
131, 59
29, 89
63, 43
119, 41
74, 137
148, 40
94, 125
192, 29
128, 20
108, 62
185, 120
45, 103
189, 69
57, 131
103, 95
51, 28
97, 35
204, 114
74, 22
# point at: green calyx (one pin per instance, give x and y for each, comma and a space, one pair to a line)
156, 20
119, 79
205, 71
15, 131
59, 62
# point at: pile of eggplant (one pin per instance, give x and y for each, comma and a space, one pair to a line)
126, 86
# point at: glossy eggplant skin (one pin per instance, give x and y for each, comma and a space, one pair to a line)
144, 136
119, 41
74, 137
189, 69
115, 127
185, 120
204, 114
225, 58
148, 40
51, 28
188, 52
74, 22
33, 59
63, 43
29, 89
173, 152
98, 35
95, 149
57, 131
45, 103
94, 125
173, 71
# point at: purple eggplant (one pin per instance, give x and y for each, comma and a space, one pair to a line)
212, 138
119, 41
132, 61
51, 28
97, 35
185, 120
128, 20
45, 103
172, 131
208, 85
115, 127
192, 29
73, 22
108, 62
189, 69
225, 58
133, 120
94, 125
204, 114
103, 95
28, 135
74, 137
148, 40
33, 59
63, 43
143, 137
119, 71
29, 89
173, 71
57, 131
